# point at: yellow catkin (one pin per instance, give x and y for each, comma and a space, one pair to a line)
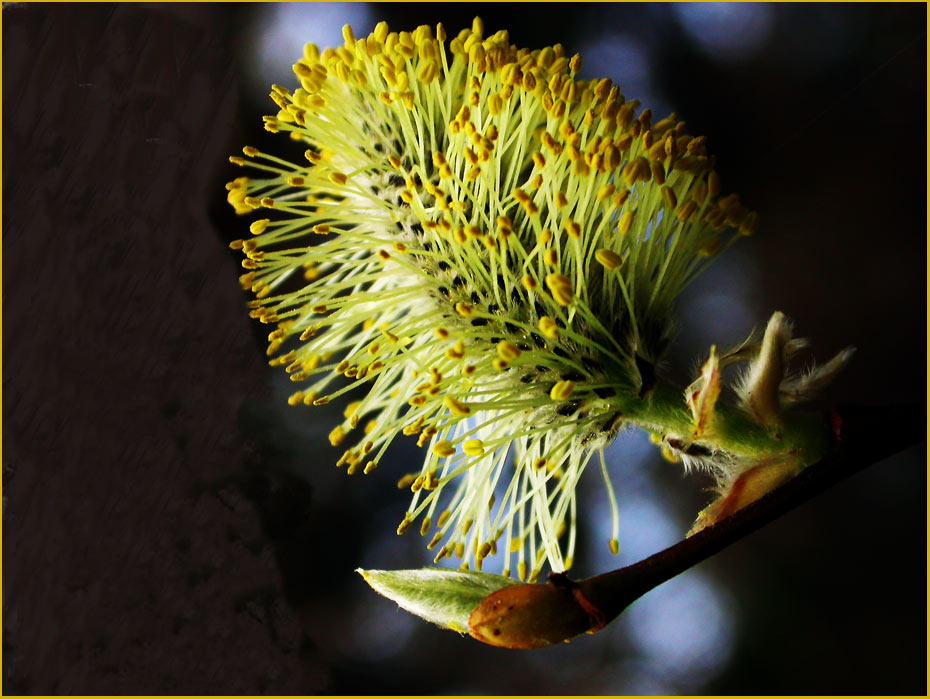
412, 234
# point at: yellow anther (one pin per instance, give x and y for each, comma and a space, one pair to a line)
495, 104
456, 407
258, 227
473, 447
605, 192
413, 427
441, 333
561, 390
427, 72
381, 31
520, 195
457, 351
551, 257
574, 65
609, 259
296, 398
507, 350
561, 201
626, 222
560, 288
424, 526
405, 525
443, 448
337, 178
658, 173
685, 211
572, 228
528, 282
548, 328
483, 551
669, 198
464, 309
351, 408
698, 191
337, 436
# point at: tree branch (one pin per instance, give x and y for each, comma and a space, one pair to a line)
865, 436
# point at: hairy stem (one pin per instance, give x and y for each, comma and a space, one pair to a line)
806, 435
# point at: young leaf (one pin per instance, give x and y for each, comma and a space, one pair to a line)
445, 597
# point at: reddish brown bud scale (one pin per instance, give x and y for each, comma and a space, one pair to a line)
528, 616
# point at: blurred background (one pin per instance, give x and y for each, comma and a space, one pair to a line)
171, 526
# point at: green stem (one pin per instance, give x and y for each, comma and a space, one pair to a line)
805, 436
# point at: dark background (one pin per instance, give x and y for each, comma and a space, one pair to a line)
171, 526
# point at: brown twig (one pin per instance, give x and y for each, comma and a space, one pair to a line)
865, 436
